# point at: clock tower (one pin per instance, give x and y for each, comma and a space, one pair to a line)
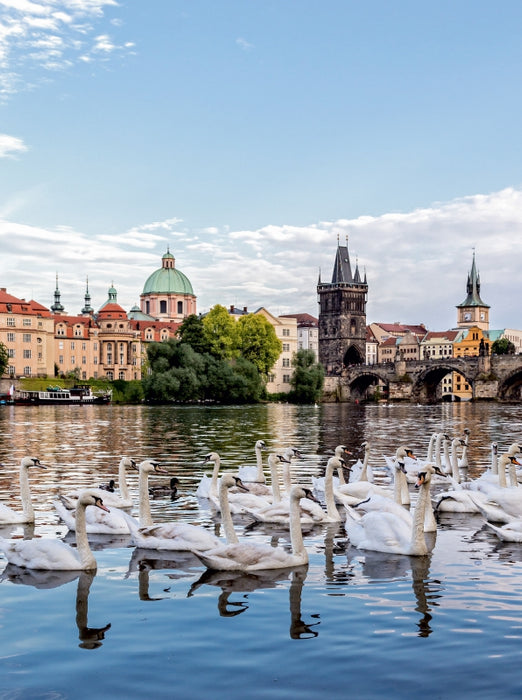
473, 311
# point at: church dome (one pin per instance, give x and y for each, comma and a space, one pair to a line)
168, 280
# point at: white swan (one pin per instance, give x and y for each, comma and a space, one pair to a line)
97, 521
182, 537
510, 532
240, 502
113, 500
388, 532
8, 515
45, 553
456, 500
249, 474
342, 452
500, 504
253, 556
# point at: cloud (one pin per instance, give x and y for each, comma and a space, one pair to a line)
244, 44
416, 262
11, 145
51, 35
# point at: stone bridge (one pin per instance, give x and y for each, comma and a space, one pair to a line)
496, 377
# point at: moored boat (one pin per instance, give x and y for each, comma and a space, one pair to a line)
77, 395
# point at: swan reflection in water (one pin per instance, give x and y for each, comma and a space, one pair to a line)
377, 566
143, 561
239, 582
90, 637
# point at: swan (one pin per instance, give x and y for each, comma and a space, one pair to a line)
340, 451
463, 461
456, 500
8, 515
182, 537
499, 504
97, 521
388, 532
249, 474
360, 489
109, 486
254, 556
510, 532
113, 500
240, 502
52, 554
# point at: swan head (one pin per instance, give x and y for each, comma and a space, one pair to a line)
32, 462
229, 480
514, 449
494, 448
341, 450
424, 476
275, 458
211, 457
128, 463
297, 492
291, 452
260, 445
149, 466
403, 452
88, 498
109, 486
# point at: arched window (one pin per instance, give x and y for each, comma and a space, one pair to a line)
180, 307
163, 306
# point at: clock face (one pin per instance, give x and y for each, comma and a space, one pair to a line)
482, 316
467, 316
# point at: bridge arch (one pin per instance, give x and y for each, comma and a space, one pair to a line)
426, 385
510, 388
365, 378
352, 356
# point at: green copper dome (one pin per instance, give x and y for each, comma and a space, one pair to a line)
168, 280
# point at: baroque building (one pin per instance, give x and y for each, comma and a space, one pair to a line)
342, 316
167, 294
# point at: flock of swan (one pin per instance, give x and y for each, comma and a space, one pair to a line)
377, 517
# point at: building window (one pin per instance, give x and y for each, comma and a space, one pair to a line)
121, 374
286, 362
27, 322
27, 371
11, 322
78, 331
60, 359
84, 346
180, 307
11, 371
286, 332
27, 337
163, 307
84, 360
11, 352
73, 360
286, 379
10, 337
73, 347
286, 347
110, 375
95, 346
95, 360
27, 354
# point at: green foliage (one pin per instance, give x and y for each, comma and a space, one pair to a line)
503, 346
192, 331
4, 358
127, 391
221, 334
307, 379
258, 342
180, 374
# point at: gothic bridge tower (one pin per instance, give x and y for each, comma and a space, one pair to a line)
342, 315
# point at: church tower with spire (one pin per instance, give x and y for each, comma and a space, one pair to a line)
57, 308
473, 311
342, 315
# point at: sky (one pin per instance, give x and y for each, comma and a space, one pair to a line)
249, 137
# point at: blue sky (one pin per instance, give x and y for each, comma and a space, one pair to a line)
248, 135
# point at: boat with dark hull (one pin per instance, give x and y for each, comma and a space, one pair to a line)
75, 396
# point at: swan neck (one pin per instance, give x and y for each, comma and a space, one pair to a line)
331, 508
418, 543
455, 465
287, 478
25, 495
214, 480
82, 542
145, 516
260, 477
364, 471
296, 534
274, 474
502, 482
122, 481
226, 515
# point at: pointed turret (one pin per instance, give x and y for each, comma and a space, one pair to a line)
473, 311
87, 309
57, 307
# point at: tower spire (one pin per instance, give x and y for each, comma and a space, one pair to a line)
57, 307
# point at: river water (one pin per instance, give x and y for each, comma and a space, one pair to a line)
352, 623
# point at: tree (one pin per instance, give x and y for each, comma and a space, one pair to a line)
221, 333
258, 342
307, 378
503, 346
4, 358
192, 331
